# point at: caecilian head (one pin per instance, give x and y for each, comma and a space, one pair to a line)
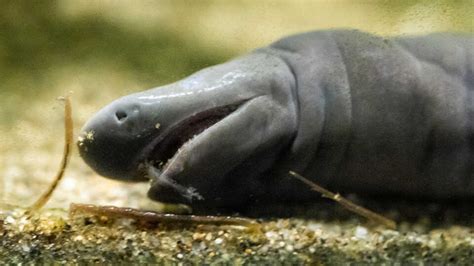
184, 136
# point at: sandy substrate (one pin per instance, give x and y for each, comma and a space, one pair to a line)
53, 237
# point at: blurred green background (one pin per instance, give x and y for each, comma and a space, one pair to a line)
100, 50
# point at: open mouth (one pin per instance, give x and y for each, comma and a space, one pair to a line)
164, 148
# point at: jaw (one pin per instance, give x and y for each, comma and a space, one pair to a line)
207, 169
167, 144
166, 155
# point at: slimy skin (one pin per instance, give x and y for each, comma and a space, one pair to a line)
351, 111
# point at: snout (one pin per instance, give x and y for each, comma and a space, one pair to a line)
111, 141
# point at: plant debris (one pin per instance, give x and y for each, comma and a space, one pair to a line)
347, 203
68, 140
144, 216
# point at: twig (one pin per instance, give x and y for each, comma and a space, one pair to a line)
347, 203
68, 125
164, 218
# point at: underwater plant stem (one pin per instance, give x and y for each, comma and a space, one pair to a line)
347, 203
163, 218
68, 125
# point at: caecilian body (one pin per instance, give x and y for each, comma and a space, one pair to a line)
349, 110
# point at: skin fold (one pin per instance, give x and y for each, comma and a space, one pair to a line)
349, 110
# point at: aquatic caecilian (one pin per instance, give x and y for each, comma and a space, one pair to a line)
351, 111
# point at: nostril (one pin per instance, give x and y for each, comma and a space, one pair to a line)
121, 115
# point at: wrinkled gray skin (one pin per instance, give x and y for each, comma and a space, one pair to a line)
351, 111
